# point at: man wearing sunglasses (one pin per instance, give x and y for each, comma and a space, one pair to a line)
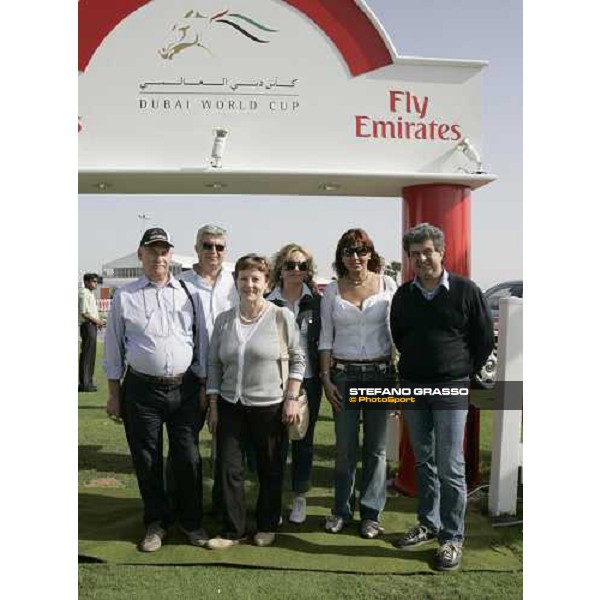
215, 283
216, 286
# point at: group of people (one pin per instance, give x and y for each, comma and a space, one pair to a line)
209, 347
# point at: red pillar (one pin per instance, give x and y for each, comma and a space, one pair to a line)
448, 207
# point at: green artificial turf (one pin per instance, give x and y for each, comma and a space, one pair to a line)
304, 557
122, 582
110, 526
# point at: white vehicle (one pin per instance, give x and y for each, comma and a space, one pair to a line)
486, 378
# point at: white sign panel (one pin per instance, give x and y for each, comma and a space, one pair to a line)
174, 71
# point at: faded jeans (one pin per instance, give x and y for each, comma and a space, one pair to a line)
347, 423
437, 437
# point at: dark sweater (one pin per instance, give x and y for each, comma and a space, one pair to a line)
449, 337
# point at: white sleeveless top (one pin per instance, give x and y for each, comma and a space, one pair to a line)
353, 333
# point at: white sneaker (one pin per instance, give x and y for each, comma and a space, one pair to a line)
298, 514
264, 538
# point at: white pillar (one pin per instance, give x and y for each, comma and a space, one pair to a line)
506, 437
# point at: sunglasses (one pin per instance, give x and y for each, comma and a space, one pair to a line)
358, 250
217, 247
290, 265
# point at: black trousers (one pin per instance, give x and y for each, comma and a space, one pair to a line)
87, 357
262, 426
147, 407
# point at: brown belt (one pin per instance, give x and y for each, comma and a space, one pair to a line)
173, 380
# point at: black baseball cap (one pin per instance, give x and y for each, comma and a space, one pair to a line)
155, 235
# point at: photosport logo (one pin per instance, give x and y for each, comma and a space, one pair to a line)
456, 395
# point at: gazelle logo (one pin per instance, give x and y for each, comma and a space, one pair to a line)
191, 30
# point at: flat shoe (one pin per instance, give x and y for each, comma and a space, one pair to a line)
219, 543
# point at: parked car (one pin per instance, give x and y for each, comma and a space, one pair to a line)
486, 378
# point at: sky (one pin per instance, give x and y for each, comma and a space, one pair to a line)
110, 226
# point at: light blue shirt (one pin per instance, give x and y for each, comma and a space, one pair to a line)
215, 298
431, 294
150, 329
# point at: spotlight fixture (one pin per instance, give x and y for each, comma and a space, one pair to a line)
330, 187
466, 147
216, 156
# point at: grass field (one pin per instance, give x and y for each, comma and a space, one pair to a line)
104, 462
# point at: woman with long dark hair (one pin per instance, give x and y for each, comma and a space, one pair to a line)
355, 349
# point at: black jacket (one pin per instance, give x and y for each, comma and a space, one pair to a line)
309, 316
446, 338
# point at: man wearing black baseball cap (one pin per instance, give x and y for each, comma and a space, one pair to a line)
155, 359
155, 235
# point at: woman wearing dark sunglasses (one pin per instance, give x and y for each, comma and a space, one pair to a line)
293, 270
355, 348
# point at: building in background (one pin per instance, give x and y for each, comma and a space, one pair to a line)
128, 268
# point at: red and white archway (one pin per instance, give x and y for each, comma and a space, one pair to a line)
323, 105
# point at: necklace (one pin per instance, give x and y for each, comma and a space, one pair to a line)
247, 320
358, 282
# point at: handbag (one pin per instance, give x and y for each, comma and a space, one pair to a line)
298, 428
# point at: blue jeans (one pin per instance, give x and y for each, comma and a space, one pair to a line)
436, 437
347, 424
303, 450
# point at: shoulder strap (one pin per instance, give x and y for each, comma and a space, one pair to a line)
283, 344
187, 293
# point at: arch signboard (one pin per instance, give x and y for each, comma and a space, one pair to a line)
307, 96
303, 97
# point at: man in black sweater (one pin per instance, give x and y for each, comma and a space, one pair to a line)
443, 330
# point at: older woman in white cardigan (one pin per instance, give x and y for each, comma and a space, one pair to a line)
249, 401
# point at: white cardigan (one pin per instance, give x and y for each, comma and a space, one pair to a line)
250, 370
